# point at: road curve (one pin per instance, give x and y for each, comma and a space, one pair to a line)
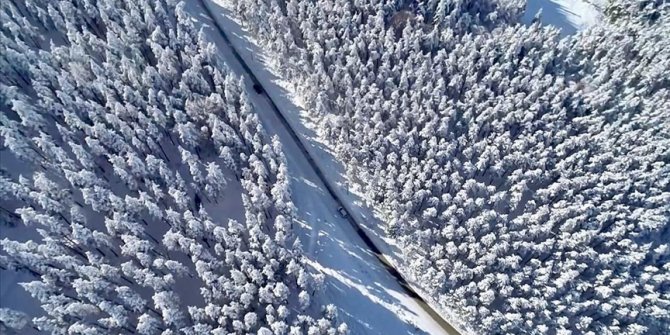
352, 221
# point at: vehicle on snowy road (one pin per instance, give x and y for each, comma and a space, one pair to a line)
342, 211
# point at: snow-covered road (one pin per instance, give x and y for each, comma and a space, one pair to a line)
368, 297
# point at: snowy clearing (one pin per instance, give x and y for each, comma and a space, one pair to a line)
570, 16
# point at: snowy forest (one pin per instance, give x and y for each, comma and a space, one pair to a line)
139, 193
524, 175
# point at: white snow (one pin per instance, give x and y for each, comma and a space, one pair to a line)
368, 298
570, 16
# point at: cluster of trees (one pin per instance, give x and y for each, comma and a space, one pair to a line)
154, 201
526, 177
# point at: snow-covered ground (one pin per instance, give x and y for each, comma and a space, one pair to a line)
13, 296
368, 298
570, 16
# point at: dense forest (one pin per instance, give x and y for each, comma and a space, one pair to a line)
525, 176
138, 188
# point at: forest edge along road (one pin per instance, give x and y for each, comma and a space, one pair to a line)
352, 221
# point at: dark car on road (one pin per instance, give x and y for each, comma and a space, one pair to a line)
258, 88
